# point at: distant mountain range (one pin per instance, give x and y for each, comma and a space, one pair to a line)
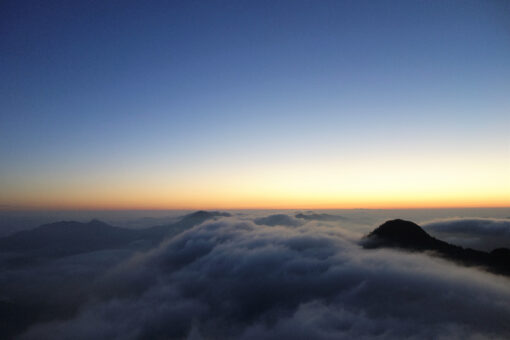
69, 237
320, 217
409, 236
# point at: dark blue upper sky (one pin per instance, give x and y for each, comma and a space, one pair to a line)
177, 88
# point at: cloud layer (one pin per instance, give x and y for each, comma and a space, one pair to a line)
275, 279
483, 234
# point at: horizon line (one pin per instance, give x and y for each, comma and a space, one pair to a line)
84, 209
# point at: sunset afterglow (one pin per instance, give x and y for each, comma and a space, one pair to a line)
327, 106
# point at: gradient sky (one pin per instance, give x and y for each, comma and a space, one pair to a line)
254, 104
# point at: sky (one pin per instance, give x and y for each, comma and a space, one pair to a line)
254, 104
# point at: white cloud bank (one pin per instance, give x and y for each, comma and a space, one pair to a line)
238, 279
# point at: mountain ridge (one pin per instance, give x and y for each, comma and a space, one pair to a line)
65, 238
407, 235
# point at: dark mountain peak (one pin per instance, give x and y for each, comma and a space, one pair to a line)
201, 216
67, 238
159, 232
311, 216
410, 236
199, 213
401, 226
401, 233
96, 221
70, 237
501, 252
206, 214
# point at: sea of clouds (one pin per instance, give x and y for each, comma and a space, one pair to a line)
263, 276
477, 233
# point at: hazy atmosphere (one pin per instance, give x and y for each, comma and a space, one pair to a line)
254, 169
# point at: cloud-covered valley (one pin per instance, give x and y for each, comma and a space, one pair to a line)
260, 277
478, 233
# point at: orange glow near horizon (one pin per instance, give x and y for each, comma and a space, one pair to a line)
221, 206
282, 197
289, 107
374, 184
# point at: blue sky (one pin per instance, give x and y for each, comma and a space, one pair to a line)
189, 92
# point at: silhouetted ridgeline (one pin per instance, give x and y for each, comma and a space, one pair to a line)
410, 236
320, 217
33, 249
69, 237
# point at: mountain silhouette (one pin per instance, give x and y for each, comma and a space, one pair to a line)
67, 238
70, 237
320, 217
158, 232
409, 236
